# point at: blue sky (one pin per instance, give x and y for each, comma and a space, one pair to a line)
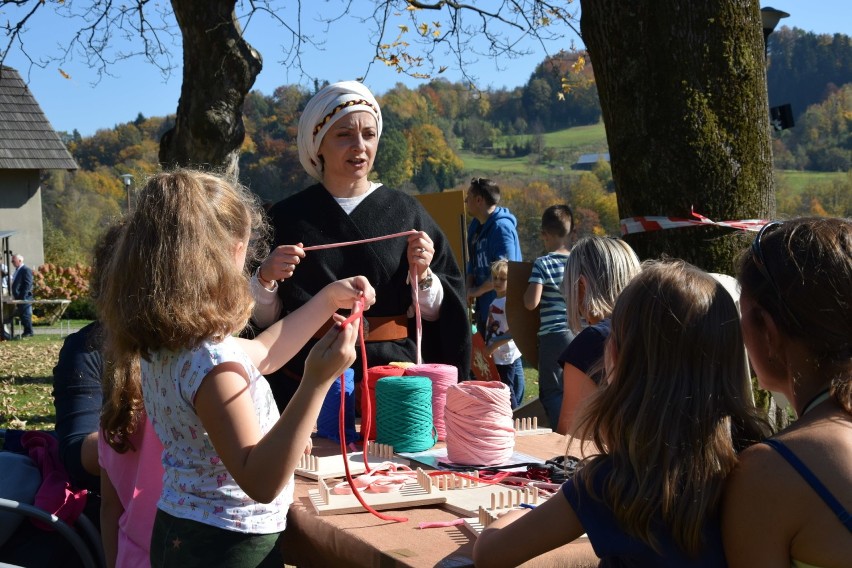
136, 86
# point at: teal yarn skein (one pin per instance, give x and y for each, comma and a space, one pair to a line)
404, 413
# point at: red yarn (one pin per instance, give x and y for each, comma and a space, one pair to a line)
368, 397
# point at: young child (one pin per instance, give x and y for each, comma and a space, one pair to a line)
597, 271
175, 292
545, 288
500, 345
128, 450
662, 427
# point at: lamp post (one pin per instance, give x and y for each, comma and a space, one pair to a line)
770, 17
128, 180
780, 117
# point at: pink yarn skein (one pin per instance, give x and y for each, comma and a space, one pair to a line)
442, 377
478, 417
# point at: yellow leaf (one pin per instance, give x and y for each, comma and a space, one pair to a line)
403, 28
424, 29
64, 74
560, 96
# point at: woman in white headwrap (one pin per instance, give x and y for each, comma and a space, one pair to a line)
338, 138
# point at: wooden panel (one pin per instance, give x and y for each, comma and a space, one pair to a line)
523, 323
447, 209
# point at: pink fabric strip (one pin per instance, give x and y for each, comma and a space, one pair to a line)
349, 243
440, 524
357, 309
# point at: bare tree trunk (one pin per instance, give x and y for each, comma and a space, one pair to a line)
219, 69
682, 87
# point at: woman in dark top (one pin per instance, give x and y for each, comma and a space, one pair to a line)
338, 138
789, 501
661, 428
598, 269
77, 399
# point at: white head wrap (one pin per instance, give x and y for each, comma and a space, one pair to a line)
328, 106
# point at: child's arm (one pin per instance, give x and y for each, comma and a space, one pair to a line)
478, 291
262, 464
532, 296
577, 386
278, 343
521, 535
111, 510
497, 343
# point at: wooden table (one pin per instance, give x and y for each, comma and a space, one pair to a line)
361, 539
59, 304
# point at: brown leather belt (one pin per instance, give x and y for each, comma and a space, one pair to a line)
389, 328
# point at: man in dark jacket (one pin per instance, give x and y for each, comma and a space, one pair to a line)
22, 289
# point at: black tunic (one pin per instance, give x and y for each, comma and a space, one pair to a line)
313, 217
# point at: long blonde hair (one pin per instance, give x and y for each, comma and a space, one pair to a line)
171, 281
607, 265
664, 420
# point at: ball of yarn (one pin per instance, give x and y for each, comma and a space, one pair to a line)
442, 377
404, 413
328, 421
478, 418
368, 418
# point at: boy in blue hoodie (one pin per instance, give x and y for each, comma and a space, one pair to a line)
492, 235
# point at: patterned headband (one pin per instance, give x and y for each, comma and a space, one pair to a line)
339, 108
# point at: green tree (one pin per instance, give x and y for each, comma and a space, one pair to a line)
393, 163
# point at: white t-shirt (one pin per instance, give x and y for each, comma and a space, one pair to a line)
196, 484
498, 325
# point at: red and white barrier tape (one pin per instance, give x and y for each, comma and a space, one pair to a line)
632, 225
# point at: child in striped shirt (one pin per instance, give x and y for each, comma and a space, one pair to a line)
545, 285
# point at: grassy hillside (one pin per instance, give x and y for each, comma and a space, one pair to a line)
564, 146
592, 135
797, 180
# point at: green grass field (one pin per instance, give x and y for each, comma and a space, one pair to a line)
579, 136
797, 180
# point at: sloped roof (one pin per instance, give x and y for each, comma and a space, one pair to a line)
592, 158
27, 140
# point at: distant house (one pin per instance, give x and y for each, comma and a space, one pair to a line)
28, 145
588, 161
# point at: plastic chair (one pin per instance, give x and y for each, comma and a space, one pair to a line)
89, 558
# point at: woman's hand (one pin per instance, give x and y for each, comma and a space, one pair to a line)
421, 251
280, 264
344, 293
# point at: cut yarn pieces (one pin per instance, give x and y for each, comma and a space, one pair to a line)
478, 418
442, 377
